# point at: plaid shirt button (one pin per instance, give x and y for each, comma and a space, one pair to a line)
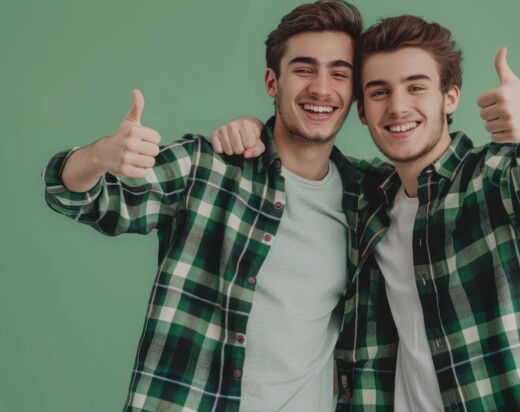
241, 338
267, 237
251, 280
278, 205
237, 373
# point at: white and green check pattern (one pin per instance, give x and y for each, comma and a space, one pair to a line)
216, 219
467, 269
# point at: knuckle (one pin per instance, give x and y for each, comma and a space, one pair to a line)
124, 170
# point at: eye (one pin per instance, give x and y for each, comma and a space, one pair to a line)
303, 71
379, 93
416, 88
341, 75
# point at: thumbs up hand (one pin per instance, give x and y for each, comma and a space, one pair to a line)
132, 149
500, 107
129, 152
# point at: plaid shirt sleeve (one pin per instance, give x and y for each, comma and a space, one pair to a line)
118, 205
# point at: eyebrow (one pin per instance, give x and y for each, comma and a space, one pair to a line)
314, 62
377, 83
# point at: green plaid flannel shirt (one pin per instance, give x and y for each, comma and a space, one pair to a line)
467, 269
216, 219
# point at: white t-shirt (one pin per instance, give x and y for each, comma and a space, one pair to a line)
416, 386
294, 322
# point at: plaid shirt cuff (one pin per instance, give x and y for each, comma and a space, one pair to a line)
51, 176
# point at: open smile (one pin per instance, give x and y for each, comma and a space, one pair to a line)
399, 128
318, 110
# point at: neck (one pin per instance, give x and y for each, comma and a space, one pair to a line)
310, 162
409, 171
408, 175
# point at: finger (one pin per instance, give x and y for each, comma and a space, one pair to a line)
491, 112
150, 135
496, 126
250, 136
132, 171
255, 151
132, 166
505, 74
225, 143
148, 149
145, 162
235, 137
134, 115
488, 98
215, 142
137, 160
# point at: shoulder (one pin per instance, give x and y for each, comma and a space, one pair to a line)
194, 150
491, 156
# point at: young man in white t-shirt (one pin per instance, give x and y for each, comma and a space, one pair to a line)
432, 317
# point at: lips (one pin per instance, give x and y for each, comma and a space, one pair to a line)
401, 128
317, 109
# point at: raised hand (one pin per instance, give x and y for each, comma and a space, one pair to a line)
241, 136
132, 149
500, 107
129, 152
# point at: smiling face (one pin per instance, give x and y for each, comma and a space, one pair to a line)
314, 89
404, 107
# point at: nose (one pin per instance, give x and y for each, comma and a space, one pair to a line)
399, 104
320, 86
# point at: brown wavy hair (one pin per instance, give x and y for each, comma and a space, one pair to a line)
394, 33
323, 15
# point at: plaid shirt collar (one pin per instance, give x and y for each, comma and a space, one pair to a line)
444, 167
346, 166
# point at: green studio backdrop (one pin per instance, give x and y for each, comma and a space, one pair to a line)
72, 302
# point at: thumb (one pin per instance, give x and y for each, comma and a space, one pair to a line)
134, 115
505, 74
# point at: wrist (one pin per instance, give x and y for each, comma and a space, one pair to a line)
94, 158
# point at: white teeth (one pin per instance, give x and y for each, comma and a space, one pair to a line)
403, 127
317, 109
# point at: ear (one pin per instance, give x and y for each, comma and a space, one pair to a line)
451, 100
361, 112
271, 83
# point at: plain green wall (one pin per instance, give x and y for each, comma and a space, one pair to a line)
72, 302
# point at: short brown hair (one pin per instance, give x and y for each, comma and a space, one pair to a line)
323, 15
395, 33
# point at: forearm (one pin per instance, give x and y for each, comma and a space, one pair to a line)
82, 169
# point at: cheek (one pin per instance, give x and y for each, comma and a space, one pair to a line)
372, 112
346, 92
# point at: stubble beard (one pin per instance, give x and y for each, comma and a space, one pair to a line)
433, 138
294, 133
